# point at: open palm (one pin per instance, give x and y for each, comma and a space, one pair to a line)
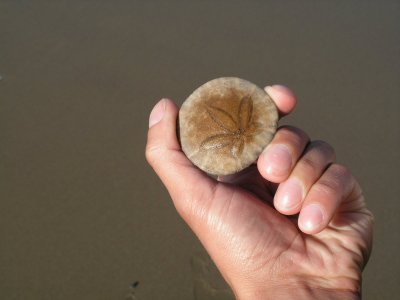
294, 226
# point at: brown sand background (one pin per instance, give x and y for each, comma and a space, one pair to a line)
82, 216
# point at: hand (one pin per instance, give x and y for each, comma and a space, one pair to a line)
294, 226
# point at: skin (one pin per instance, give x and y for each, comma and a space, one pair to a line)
292, 226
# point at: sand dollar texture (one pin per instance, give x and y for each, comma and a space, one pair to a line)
225, 124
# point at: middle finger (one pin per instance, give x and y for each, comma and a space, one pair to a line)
291, 193
278, 159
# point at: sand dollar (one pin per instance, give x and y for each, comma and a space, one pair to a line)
225, 124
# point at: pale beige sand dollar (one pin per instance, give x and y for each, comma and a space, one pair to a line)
225, 124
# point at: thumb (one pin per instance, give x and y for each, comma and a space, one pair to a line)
181, 178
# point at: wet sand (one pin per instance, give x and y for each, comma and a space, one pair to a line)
82, 216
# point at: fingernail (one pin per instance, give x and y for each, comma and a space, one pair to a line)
311, 217
157, 113
278, 160
282, 88
289, 194
268, 88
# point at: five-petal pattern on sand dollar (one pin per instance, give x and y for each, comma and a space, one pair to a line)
234, 129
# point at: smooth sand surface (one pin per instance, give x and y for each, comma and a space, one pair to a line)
82, 216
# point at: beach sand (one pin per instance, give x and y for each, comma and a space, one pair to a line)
82, 215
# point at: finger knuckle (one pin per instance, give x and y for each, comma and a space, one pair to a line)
152, 153
309, 164
324, 147
340, 172
327, 186
293, 134
334, 179
317, 157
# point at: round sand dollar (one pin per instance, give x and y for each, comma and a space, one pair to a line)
225, 124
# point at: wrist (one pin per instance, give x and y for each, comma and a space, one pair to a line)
298, 292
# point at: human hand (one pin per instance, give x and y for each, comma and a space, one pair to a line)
293, 226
